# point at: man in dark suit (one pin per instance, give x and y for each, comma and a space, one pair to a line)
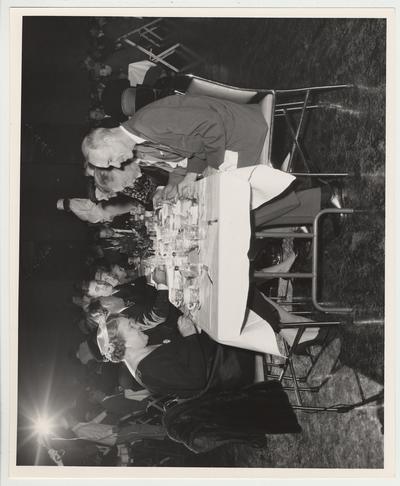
182, 134
143, 302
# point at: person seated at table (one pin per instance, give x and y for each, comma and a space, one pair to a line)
85, 352
135, 178
143, 302
188, 133
96, 314
102, 274
181, 367
82, 301
292, 208
114, 180
116, 274
91, 212
98, 288
111, 303
140, 186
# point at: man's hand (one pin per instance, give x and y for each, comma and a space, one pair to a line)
160, 275
158, 196
186, 326
186, 187
170, 192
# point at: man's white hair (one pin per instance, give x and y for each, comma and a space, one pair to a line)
94, 140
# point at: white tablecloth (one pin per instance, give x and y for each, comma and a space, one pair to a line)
226, 200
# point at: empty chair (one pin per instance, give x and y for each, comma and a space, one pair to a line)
152, 39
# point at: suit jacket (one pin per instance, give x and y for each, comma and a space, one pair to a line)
158, 315
151, 308
200, 128
187, 366
134, 293
180, 367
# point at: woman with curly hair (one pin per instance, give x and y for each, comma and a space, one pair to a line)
181, 367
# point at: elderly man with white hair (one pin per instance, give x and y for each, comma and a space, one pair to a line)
185, 133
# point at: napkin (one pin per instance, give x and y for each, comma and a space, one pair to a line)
137, 71
257, 335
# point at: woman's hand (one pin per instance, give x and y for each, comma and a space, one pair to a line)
158, 196
160, 275
168, 193
186, 326
186, 188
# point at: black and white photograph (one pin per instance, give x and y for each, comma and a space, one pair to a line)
202, 245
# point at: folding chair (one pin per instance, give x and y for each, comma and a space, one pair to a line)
176, 57
152, 32
274, 104
313, 236
284, 369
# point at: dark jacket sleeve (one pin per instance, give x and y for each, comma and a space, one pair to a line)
194, 130
156, 312
179, 367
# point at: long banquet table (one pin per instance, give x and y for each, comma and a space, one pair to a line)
224, 203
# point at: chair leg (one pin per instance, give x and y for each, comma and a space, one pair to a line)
289, 363
296, 135
284, 108
314, 89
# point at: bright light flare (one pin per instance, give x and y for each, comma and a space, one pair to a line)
43, 426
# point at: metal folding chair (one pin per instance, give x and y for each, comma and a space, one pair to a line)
152, 40
313, 236
284, 369
274, 104
294, 378
152, 32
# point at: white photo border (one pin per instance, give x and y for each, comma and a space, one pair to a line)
11, 23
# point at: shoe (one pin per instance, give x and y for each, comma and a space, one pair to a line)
337, 196
281, 266
303, 249
270, 255
338, 199
302, 349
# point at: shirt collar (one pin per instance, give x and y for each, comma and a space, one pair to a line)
134, 137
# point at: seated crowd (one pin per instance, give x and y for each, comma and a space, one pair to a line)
128, 322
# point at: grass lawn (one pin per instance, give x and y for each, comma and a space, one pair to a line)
348, 134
